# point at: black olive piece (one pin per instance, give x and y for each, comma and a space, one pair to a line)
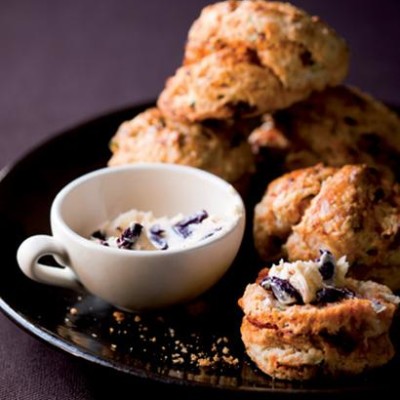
157, 237
331, 294
282, 289
326, 265
98, 235
183, 227
129, 236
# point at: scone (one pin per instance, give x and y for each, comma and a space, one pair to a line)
230, 83
305, 319
250, 57
338, 126
283, 206
352, 210
220, 147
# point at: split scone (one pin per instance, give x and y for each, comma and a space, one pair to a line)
352, 210
219, 147
305, 319
338, 126
245, 58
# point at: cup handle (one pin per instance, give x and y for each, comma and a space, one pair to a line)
35, 247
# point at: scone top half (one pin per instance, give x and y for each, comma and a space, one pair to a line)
250, 57
310, 297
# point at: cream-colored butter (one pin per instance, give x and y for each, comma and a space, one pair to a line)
306, 278
210, 226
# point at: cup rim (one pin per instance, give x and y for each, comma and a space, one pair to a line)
55, 211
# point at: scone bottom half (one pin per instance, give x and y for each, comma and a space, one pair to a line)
306, 319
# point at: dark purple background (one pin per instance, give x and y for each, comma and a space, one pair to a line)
62, 62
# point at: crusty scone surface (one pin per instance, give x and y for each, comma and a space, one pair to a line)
353, 210
298, 48
340, 125
150, 137
229, 83
283, 206
296, 357
355, 213
238, 50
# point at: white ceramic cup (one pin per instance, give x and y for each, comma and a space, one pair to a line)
128, 279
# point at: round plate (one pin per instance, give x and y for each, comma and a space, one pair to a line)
197, 344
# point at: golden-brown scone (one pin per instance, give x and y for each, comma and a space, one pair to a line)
229, 83
353, 210
338, 126
219, 147
236, 50
283, 206
342, 329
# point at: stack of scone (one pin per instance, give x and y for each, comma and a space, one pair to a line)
262, 81
245, 58
242, 59
343, 201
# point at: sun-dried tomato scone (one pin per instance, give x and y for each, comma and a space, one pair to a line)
338, 126
218, 147
236, 48
305, 319
352, 210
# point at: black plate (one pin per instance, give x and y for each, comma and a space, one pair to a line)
165, 346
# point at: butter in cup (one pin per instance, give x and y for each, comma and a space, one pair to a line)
136, 280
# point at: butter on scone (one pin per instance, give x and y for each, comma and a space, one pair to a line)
244, 58
220, 148
305, 319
